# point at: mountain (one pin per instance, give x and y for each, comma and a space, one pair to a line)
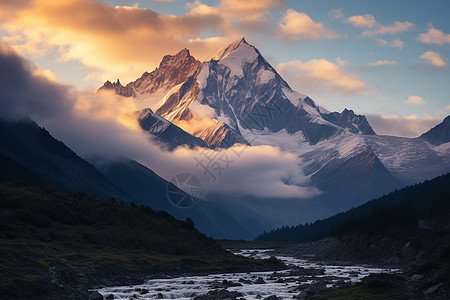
245, 92
236, 96
439, 134
173, 70
29, 153
166, 132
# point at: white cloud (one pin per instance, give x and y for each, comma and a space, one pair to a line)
299, 26
415, 100
434, 36
383, 63
434, 59
320, 76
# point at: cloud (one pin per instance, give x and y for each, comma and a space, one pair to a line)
444, 111
383, 63
397, 43
299, 26
434, 59
113, 41
434, 36
125, 41
319, 76
415, 100
406, 126
393, 29
369, 21
336, 14
101, 125
26, 91
244, 16
362, 21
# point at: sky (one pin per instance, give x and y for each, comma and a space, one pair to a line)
388, 60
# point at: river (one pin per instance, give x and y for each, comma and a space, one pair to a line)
255, 285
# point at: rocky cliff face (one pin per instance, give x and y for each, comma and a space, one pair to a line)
173, 70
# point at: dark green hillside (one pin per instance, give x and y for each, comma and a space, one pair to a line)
428, 202
409, 228
55, 242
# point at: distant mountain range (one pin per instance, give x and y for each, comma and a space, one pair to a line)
247, 102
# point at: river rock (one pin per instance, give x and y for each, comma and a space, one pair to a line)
272, 297
219, 295
246, 281
260, 280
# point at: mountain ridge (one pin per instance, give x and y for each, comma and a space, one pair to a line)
237, 97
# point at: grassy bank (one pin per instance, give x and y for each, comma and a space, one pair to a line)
54, 241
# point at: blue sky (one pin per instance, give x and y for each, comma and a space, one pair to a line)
388, 60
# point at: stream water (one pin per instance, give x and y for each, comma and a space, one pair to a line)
255, 285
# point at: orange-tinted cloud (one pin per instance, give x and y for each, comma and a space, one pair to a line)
245, 16
119, 41
369, 21
397, 43
415, 100
362, 21
299, 26
434, 59
319, 76
434, 36
125, 41
397, 27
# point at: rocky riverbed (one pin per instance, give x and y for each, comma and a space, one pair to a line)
303, 278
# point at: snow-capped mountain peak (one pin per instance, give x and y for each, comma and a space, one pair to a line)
223, 52
242, 91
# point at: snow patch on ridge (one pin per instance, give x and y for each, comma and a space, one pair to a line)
235, 59
203, 76
266, 76
164, 99
293, 96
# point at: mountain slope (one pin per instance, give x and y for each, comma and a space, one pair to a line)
427, 201
39, 158
166, 132
439, 134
